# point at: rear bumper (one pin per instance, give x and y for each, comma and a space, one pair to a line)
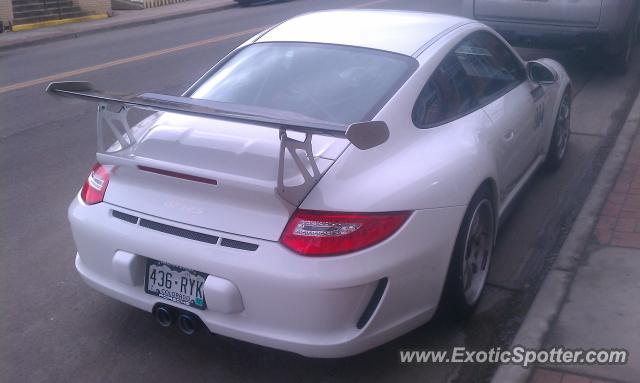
309, 306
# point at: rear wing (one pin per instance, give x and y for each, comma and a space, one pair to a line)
113, 110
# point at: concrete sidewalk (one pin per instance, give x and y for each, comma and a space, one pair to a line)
119, 19
590, 298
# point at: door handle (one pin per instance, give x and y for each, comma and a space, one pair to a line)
509, 135
537, 93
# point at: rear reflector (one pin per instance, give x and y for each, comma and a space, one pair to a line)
96, 185
318, 233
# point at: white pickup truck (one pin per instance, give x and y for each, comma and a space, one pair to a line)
608, 26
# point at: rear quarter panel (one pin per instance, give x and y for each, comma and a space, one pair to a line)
415, 168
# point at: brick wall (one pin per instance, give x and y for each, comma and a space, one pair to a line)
6, 12
93, 6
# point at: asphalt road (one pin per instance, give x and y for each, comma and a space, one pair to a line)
54, 328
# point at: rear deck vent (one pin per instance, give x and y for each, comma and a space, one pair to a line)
178, 231
239, 244
184, 233
124, 216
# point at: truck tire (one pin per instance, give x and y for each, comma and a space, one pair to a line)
621, 60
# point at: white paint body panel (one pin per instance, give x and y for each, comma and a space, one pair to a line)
222, 295
303, 304
243, 160
400, 32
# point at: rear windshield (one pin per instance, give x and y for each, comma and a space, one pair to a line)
333, 83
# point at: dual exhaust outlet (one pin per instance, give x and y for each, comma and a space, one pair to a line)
166, 316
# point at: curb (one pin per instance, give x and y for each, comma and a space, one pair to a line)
115, 25
549, 299
53, 23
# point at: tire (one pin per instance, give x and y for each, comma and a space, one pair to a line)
471, 258
561, 133
622, 60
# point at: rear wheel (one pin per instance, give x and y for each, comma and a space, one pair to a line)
471, 258
560, 135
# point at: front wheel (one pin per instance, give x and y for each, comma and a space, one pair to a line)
471, 258
560, 135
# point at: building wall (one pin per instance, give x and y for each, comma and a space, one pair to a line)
93, 6
6, 12
159, 3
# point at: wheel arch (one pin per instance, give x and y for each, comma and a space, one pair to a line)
490, 186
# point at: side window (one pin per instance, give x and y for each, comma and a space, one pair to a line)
477, 71
447, 94
491, 66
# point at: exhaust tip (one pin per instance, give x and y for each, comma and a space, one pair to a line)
163, 316
188, 324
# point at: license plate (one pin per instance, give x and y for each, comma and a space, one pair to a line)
175, 284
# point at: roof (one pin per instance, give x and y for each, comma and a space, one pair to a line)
396, 31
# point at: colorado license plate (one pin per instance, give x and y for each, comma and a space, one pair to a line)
175, 284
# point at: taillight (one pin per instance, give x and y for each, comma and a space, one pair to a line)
96, 185
319, 233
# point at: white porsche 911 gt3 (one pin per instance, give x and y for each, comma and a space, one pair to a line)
326, 186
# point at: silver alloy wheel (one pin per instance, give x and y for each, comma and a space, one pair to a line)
478, 251
562, 127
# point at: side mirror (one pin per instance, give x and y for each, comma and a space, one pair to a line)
541, 73
367, 135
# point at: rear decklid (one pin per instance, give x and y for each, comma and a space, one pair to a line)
222, 175
551, 12
233, 168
